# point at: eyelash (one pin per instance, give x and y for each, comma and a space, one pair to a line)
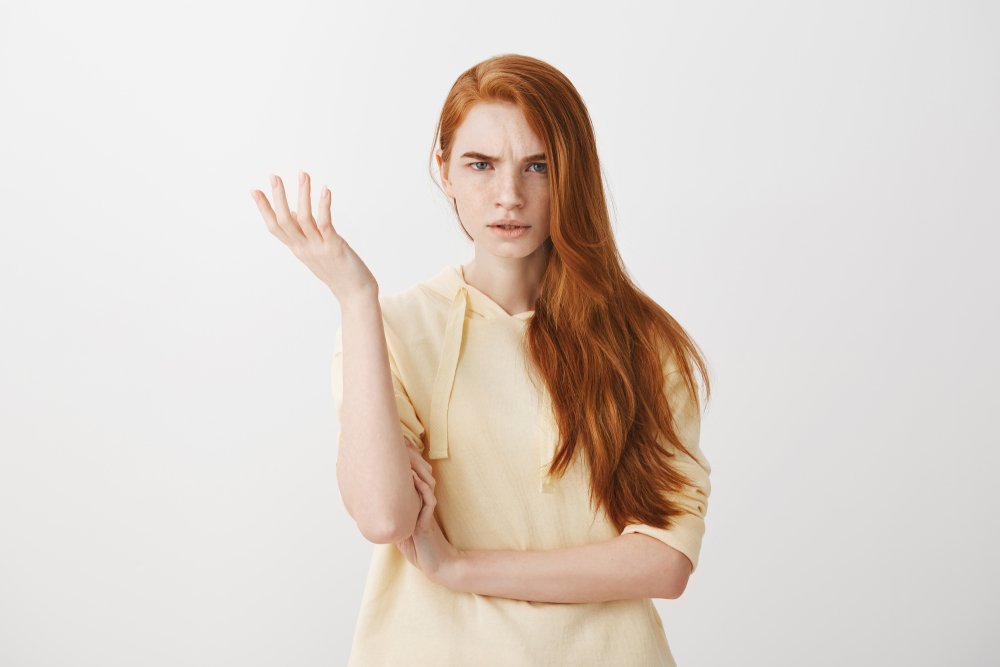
484, 162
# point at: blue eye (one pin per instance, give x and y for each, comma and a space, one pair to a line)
544, 169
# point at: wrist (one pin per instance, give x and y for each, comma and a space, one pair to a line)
455, 571
363, 300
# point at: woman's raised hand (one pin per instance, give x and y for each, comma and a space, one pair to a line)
314, 240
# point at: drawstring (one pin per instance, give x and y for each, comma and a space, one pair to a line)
444, 382
445, 378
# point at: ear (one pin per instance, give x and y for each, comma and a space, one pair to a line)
439, 155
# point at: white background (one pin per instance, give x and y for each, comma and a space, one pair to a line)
810, 188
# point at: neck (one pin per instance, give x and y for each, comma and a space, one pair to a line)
512, 283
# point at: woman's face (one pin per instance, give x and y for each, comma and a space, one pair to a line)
498, 171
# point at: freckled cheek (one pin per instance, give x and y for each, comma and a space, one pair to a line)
470, 191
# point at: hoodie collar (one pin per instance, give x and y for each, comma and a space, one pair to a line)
464, 301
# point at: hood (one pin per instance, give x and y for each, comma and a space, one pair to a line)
465, 299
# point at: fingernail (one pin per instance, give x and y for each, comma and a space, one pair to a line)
302, 177
274, 181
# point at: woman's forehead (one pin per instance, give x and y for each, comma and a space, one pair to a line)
498, 130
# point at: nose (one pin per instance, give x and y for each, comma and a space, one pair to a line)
509, 189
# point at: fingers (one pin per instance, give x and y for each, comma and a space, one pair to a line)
426, 514
285, 223
420, 465
305, 217
283, 215
270, 219
425, 474
325, 219
422, 516
424, 481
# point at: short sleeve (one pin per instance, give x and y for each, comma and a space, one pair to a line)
409, 423
688, 528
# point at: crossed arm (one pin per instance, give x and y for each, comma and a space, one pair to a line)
627, 566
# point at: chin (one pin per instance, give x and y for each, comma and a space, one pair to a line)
523, 248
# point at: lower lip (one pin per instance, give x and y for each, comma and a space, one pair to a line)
509, 233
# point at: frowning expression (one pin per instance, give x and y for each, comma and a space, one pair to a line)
497, 171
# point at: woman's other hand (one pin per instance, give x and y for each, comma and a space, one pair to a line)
314, 240
428, 548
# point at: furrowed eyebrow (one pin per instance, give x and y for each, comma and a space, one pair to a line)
537, 157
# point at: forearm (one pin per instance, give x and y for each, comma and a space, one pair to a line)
373, 468
627, 566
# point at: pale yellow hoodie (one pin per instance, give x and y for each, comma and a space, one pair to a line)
468, 399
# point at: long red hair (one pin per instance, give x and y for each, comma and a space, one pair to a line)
606, 351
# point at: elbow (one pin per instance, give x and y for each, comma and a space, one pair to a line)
385, 532
385, 526
377, 522
376, 533
676, 586
679, 572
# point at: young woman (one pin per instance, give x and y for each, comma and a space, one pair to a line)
548, 408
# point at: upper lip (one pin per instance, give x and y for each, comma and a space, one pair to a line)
505, 221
